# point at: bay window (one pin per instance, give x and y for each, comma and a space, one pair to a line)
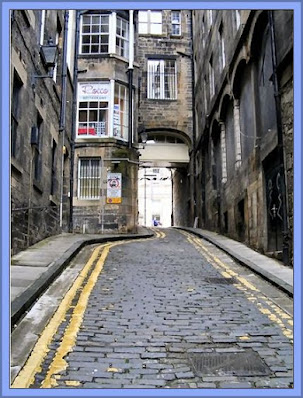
103, 110
162, 79
89, 178
104, 34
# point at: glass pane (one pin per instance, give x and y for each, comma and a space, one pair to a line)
86, 19
96, 20
175, 17
95, 29
85, 49
103, 105
95, 39
93, 105
104, 19
94, 49
86, 29
85, 39
104, 28
156, 29
93, 116
104, 49
156, 16
82, 116
142, 16
143, 28
83, 104
104, 39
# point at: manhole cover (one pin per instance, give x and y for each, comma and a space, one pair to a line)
221, 281
246, 363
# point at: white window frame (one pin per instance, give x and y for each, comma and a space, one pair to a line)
97, 125
112, 35
111, 132
150, 24
176, 22
97, 178
120, 116
156, 68
91, 34
122, 39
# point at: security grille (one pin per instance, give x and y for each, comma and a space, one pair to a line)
89, 181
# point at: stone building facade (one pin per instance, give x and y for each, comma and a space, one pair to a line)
40, 125
165, 99
105, 136
244, 152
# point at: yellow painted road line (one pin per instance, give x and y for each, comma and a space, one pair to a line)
244, 285
33, 365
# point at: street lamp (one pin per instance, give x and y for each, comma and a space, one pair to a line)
49, 55
143, 136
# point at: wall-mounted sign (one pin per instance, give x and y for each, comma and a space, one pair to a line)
91, 91
117, 129
114, 184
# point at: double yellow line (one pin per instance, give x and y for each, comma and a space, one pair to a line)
33, 365
273, 311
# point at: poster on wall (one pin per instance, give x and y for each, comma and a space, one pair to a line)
117, 131
114, 184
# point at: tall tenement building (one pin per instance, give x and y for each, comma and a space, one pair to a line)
42, 79
244, 124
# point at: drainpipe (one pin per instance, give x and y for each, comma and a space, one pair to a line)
194, 116
285, 231
130, 78
73, 132
62, 121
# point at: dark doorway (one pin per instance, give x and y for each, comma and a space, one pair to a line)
274, 203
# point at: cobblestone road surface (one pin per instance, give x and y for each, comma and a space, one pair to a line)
172, 312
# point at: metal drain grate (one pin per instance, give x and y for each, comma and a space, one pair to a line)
221, 281
246, 363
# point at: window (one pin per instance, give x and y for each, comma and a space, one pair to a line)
222, 46
150, 22
176, 23
93, 118
89, 178
37, 151
211, 78
103, 34
162, 79
95, 34
122, 38
15, 112
121, 112
103, 110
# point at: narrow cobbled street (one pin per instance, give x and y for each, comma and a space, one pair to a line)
169, 312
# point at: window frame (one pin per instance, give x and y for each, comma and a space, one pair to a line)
178, 24
110, 100
110, 32
97, 178
152, 74
149, 23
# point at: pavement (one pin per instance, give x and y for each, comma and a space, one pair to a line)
34, 269
272, 270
